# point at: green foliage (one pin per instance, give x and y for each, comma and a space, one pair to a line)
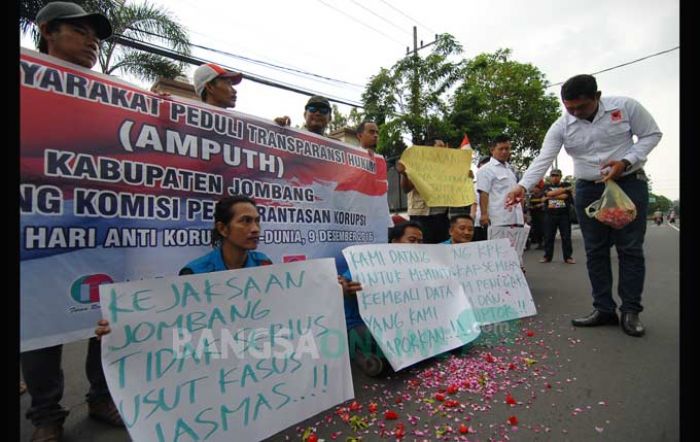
660, 203
438, 97
498, 96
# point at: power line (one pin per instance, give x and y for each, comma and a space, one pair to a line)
381, 18
253, 60
625, 64
169, 53
361, 22
410, 18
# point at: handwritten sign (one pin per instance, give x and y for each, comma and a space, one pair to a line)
234, 355
493, 282
516, 236
410, 302
440, 175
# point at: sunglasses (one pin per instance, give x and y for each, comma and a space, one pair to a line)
322, 109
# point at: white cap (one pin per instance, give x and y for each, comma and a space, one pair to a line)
208, 72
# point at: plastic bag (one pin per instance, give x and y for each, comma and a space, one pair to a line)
614, 208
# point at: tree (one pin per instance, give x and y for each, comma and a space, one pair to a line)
340, 121
142, 22
499, 95
658, 202
410, 97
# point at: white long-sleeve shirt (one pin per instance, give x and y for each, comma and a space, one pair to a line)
497, 179
592, 144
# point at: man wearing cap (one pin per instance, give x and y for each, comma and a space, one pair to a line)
558, 201
317, 115
598, 133
214, 85
70, 34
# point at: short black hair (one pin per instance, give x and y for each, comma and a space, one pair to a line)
583, 85
361, 127
502, 138
223, 213
398, 230
455, 218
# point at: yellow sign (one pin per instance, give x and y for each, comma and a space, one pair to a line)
441, 175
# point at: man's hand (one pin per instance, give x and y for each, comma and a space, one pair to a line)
400, 168
102, 328
515, 196
484, 220
612, 170
283, 121
349, 287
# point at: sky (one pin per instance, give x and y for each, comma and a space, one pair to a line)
351, 40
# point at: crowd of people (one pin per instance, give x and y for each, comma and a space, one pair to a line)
597, 132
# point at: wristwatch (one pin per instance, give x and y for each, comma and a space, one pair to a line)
627, 164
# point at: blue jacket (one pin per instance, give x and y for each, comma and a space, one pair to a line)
214, 262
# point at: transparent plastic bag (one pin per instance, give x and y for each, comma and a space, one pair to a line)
614, 208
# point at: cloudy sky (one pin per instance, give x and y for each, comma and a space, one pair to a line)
350, 40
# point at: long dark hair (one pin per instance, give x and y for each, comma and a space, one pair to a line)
223, 211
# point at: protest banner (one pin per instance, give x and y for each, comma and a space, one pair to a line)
516, 236
441, 175
420, 300
119, 184
492, 280
233, 355
410, 302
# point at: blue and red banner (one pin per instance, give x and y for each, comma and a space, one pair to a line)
119, 184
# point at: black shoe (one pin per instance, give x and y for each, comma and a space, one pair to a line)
631, 324
596, 318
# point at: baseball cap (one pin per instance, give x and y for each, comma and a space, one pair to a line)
210, 71
68, 11
318, 101
555, 172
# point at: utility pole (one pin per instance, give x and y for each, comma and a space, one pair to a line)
415, 80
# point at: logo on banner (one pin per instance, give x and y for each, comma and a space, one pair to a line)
293, 258
85, 290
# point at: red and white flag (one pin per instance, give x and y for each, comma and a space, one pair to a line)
465, 143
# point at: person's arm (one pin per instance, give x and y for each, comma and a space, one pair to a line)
484, 205
644, 127
406, 184
550, 149
350, 288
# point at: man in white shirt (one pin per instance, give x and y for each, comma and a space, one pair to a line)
597, 133
493, 182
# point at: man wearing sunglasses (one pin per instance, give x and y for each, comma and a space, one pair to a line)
317, 115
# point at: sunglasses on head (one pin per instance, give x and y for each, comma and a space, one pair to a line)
322, 109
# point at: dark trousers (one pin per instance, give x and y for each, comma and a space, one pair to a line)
436, 228
480, 233
537, 226
43, 375
629, 242
554, 220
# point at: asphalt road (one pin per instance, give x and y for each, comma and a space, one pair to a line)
576, 384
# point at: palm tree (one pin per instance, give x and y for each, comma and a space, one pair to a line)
141, 22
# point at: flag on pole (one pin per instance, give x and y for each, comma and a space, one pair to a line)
465, 143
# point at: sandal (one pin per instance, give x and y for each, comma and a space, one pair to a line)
106, 412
